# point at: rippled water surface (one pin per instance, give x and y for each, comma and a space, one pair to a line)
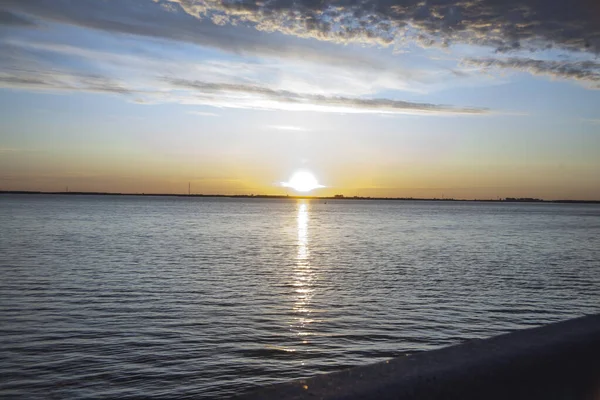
174, 297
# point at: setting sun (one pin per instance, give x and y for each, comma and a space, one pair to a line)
302, 181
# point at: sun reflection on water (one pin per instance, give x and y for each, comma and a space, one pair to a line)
304, 276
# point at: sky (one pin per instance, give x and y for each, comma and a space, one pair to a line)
446, 98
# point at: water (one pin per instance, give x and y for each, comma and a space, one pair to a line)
175, 297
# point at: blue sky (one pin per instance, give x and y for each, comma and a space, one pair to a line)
415, 99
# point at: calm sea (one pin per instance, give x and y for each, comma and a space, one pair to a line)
174, 297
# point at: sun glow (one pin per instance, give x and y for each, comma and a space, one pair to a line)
302, 181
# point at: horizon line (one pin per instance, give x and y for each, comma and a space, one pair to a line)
306, 197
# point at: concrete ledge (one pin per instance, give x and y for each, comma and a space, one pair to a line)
557, 361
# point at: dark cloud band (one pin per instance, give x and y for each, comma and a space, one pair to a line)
506, 24
587, 72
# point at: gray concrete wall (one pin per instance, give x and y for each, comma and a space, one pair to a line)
557, 361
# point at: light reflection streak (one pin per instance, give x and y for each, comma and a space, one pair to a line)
304, 275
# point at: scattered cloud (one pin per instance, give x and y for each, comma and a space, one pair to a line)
587, 72
277, 29
307, 76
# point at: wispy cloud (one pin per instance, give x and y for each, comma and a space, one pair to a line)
229, 95
593, 121
203, 113
286, 74
8, 18
60, 81
587, 72
16, 150
150, 19
289, 128
147, 80
262, 97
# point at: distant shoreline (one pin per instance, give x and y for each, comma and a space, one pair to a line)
337, 197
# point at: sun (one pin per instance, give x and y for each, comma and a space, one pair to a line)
302, 181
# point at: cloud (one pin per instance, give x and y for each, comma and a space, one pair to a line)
593, 121
289, 74
203, 114
506, 25
289, 128
262, 97
60, 81
16, 150
277, 29
11, 19
149, 19
242, 26
147, 80
587, 72
218, 94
